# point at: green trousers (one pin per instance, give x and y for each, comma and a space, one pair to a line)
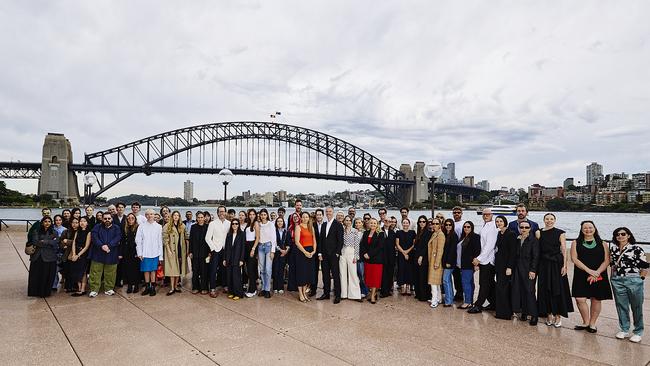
96, 271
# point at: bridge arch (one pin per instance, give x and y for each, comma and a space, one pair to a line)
148, 155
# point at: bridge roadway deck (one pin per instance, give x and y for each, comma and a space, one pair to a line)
188, 329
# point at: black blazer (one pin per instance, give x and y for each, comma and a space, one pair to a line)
389, 246
47, 245
319, 234
422, 246
506, 251
331, 243
375, 249
450, 254
234, 250
198, 246
283, 240
470, 250
527, 254
119, 223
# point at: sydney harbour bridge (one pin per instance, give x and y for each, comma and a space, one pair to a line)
245, 148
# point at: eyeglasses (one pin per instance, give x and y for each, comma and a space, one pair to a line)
235, 224
621, 234
422, 222
435, 223
457, 212
467, 227
524, 227
449, 225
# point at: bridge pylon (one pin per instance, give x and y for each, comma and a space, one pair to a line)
57, 179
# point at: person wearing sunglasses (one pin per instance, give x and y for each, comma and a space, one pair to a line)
43, 246
449, 261
105, 241
234, 260
199, 253
504, 262
629, 268
485, 262
436, 248
553, 293
421, 263
525, 274
590, 254
467, 249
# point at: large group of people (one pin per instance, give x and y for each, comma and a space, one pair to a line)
522, 267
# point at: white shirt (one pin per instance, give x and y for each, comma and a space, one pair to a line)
328, 225
148, 240
458, 228
216, 234
488, 234
267, 234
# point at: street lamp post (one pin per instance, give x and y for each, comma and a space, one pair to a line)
225, 176
89, 182
433, 171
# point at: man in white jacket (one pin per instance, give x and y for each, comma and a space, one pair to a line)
216, 237
149, 247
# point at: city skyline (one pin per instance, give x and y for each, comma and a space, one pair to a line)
513, 94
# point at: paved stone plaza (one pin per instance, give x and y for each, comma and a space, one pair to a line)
188, 329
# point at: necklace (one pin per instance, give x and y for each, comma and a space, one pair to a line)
589, 244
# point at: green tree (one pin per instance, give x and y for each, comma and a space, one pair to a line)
558, 204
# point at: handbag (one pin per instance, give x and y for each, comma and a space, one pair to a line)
160, 272
30, 249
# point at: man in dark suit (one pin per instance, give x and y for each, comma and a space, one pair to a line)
319, 227
119, 219
329, 251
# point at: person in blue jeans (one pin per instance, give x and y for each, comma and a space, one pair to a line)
467, 249
449, 261
266, 251
358, 224
629, 267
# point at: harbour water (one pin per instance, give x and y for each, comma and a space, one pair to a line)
638, 223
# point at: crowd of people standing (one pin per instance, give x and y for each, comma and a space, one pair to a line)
522, 267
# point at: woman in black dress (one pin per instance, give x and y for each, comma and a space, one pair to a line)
78, 259
590, 254
234, 260
65, 244
130, 260
524, 274
504, 263
404, 243
199, 254
421, 272
553, 293
42, 266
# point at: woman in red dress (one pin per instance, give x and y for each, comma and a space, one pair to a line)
372, 252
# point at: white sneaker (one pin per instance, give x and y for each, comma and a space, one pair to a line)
434, 304
275, 291
281, 292
109, 293
558, 324
92, 294
622, 335
251, 294
635, 338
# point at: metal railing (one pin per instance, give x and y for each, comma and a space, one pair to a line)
28, 223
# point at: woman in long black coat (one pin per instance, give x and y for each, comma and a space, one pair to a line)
421, 268
130, 262
525, 274
234, 260
198, 252
42, 266
504, 263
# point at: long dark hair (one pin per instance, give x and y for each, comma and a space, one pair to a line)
50, 230
630, 236
581, 236
230, 230
251, 224
130, 228
420, 231
444, 227
465, 238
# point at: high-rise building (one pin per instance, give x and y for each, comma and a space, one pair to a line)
449, 174
246, 195
567, 182
282, 195
268, 198
468, 180
484, 185
594, 174
188, 190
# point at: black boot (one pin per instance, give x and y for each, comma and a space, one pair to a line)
147, 288
152, 291
129, 289
533, 320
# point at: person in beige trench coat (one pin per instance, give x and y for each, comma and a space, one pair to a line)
436, 248
173, 234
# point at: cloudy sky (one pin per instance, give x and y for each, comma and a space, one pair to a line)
514, 92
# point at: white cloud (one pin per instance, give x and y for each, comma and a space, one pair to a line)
486, 85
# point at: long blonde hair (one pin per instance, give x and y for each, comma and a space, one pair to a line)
170, 224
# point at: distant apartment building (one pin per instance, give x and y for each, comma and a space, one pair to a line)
578, 197
188, 191
538, 195
468, 181
449, 174
246, 195
608, 198
641, 181
282, 195
594, 174
567, 182
268, 198
484, 185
